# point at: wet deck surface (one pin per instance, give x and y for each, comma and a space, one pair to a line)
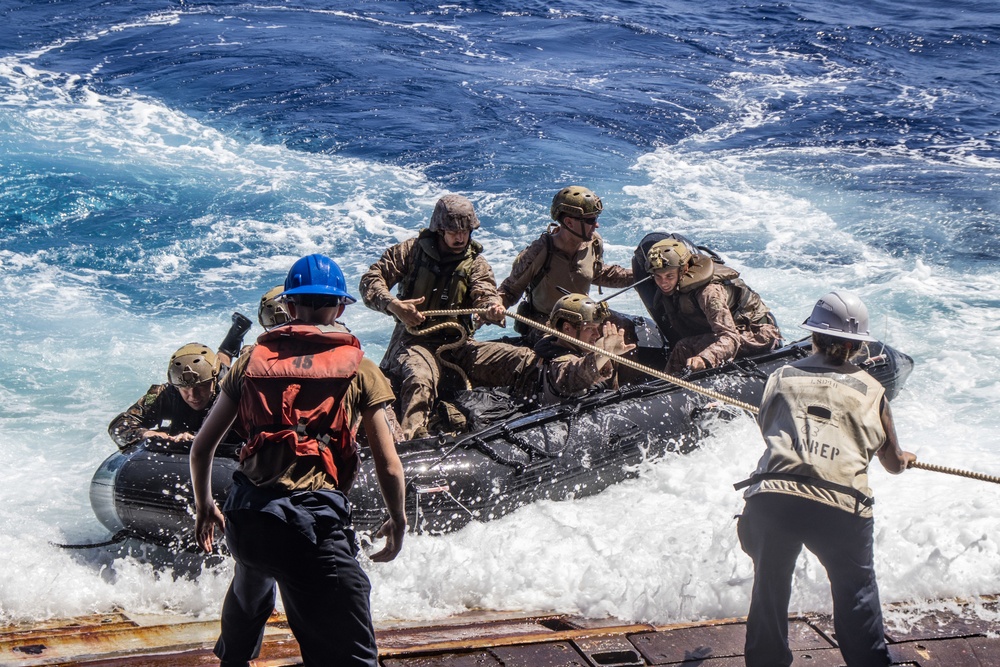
941, 639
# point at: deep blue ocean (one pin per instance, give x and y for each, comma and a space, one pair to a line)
162, 164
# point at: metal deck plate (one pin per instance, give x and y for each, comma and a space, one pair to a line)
560, 654
686, 644
493, 639
954, 652
476, 659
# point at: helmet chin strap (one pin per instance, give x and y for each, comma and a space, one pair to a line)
577, 234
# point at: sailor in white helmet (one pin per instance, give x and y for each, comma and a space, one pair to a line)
823, 419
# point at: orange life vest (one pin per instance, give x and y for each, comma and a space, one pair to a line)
293, 392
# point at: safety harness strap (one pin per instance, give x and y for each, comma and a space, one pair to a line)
863, 499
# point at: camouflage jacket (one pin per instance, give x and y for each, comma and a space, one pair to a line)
396, 265
563, 373
160, 409
541, 275
713, 302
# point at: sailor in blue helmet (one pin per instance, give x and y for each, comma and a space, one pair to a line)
823, 419
287, 520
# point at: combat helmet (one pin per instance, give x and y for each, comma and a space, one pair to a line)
576, 201
317, 275
840, 314
579, 309
667, 254
192, 364
453, 213
272, 311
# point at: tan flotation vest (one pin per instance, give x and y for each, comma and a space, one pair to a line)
822, 425
443, 280
681, 311
543, 292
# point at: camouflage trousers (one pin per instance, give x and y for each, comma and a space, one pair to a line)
420, 373
495, 364
754, 340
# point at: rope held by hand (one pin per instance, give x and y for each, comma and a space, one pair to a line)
624, 361
955, 471
681, 383
462, 337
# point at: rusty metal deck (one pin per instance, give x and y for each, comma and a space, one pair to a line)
484, 639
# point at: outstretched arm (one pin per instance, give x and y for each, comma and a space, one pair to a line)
377, 282
892, 458
207, 514
389, 471
713, 300
612, 275
140, 421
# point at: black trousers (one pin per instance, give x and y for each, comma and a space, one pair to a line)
323, 588
772, 531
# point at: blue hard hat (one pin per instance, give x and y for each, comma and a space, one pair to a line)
317, 274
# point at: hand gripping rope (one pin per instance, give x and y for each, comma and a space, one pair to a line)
644, 369
585, 346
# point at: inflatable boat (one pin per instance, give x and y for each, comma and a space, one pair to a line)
569, 450
511, 456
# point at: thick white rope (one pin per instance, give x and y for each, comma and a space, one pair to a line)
669, 378
624, 361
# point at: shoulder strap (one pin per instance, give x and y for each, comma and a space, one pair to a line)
536, 280
598, 259
420, 258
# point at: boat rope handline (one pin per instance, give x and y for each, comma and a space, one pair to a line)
683, 383
481, 445
624, 361
120, 536
955, 471
531, 449
463, 336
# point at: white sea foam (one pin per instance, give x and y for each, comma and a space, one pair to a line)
658, 548
663, 548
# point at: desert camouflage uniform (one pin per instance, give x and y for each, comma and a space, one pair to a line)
410, 359
162, 403
575, 274
564, 373
712, 332
548, 374
496, 364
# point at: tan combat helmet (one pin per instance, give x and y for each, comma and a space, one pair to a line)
192, 364
579, 309
272, 311
453, 213
576, 201
667, 254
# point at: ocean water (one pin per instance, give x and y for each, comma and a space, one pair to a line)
162, 164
